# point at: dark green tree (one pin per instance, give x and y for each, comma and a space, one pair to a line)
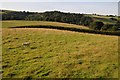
97, 25
107, 27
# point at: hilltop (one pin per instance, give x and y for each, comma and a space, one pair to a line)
93, 21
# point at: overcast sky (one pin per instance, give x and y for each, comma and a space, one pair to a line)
59, 0
103, 7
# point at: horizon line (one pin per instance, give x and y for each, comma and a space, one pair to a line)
58, 11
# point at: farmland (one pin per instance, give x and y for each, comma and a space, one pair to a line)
103, 18
56, 53
14, 23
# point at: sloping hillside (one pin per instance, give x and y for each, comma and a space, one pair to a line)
107, 19
15, 23
43, 53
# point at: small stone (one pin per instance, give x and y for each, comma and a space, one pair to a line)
26, 44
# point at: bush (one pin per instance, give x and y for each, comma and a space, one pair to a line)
113, 19
86, 21
97, 25
117, 25
114, 28
107, 27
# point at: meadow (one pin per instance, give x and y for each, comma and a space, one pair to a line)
103, 18
49, 53
14, 23
54, 25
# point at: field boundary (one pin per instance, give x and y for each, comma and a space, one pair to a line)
116, 33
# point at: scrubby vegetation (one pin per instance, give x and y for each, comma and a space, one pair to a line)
97, 25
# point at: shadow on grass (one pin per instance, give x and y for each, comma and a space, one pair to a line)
117, 33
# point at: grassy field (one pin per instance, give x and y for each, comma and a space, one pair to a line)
103, 18
14, 23
57, 54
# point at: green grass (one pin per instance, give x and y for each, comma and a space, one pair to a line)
14, 23
106, 20
103, 18
57, 54
2, 13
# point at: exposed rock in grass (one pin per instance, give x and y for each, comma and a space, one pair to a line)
26, 44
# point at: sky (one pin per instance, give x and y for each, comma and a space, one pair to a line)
73, 6
59, 0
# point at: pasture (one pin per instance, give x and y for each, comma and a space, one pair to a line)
57, 54
103, 18
14, 23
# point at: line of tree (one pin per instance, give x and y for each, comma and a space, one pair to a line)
98, 25
57, 16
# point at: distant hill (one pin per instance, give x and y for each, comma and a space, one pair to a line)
111, 19
92, 21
